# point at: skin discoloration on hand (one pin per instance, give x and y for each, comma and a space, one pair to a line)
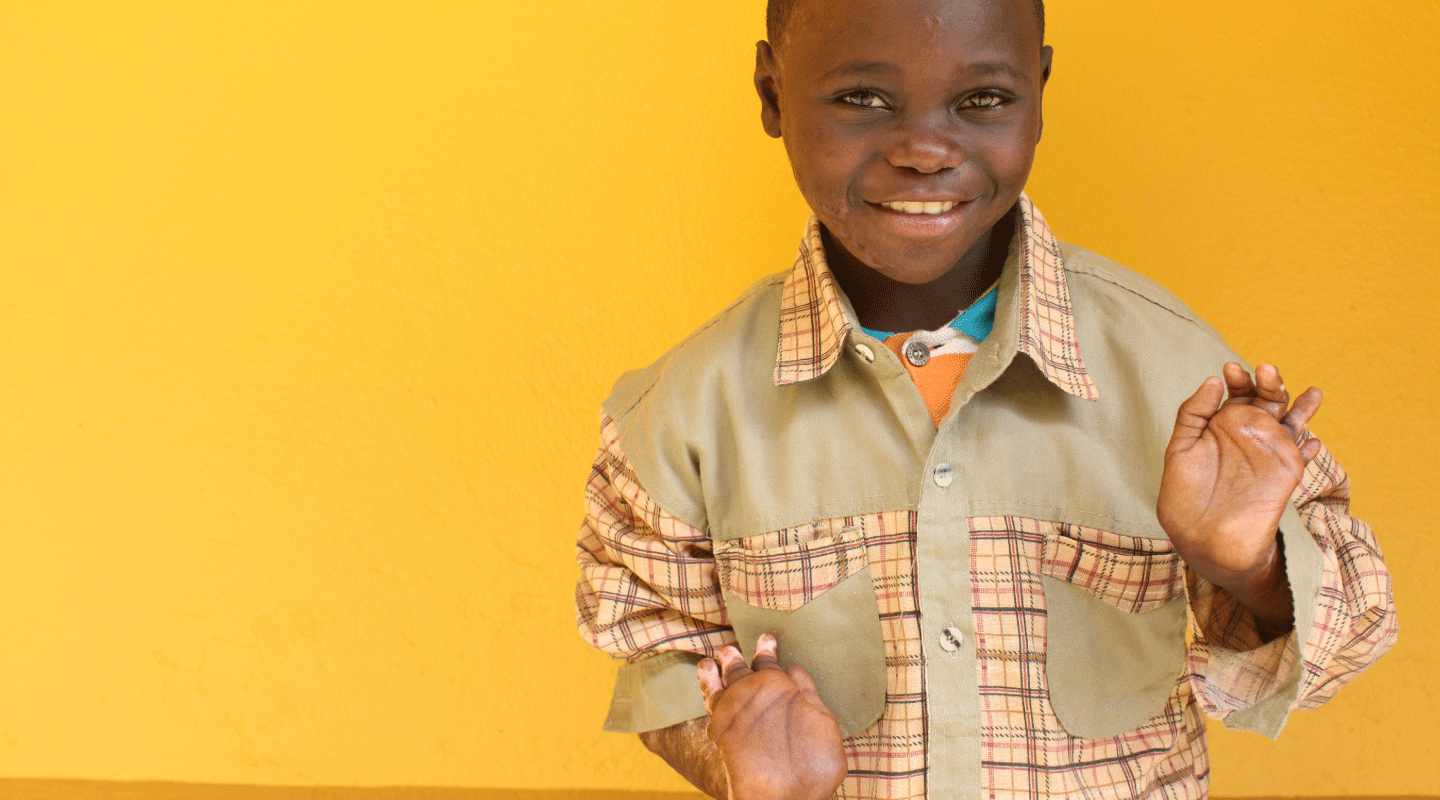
688, 750
776, 737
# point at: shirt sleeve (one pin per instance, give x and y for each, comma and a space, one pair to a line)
647, 595
1345, 615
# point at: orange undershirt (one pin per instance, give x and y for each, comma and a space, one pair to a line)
936, 380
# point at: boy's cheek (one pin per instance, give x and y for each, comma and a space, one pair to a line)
827, 195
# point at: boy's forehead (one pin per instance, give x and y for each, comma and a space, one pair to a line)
956, 26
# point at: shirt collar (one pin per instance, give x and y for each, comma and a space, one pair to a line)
814, 320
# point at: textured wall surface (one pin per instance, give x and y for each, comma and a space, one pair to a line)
306, 309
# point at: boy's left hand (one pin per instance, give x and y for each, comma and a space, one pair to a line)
1230, 470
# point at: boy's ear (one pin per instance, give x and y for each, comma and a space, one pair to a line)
1047, 61
767, 85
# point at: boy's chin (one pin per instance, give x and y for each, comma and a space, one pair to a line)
915, 268
910, 259
913, 257
912, 262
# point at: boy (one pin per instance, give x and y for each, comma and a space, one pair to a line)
934, 481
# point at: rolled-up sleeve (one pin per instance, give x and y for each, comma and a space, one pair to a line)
647, 595
1344, 611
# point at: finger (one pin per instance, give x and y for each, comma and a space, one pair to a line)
1309, 450
1300, 414
1195, 413
1238, 383
766, 653
710, 683
805, 684
1270, 391
732, 665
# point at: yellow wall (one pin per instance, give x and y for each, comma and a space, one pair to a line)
306, 309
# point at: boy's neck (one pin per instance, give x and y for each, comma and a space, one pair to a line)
888, 305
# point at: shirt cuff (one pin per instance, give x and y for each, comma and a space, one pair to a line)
656, 693
1305, 569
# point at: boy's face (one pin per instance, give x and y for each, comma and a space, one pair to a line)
886, 104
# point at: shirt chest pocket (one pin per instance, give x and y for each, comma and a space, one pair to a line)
812, 589
1115, 628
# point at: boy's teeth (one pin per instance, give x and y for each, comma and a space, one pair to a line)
921, 208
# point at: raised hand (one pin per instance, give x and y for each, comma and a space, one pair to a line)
1230, 470
777, 738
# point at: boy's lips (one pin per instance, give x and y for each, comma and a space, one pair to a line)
931, 207
922, 218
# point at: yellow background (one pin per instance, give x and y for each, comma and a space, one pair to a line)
306, 310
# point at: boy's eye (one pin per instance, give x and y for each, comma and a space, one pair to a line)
864, 98
984, 100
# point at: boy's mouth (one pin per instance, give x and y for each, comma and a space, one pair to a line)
924, 219
918, 207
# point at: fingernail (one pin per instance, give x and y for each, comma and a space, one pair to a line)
767, 644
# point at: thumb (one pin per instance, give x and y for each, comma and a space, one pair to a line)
1195, 414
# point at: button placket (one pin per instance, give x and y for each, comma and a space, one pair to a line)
943, 551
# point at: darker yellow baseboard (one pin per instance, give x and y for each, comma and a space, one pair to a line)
47, 789
50, 789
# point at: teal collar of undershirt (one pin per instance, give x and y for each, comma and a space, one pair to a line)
975, 321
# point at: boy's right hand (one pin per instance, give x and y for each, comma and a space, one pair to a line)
777, 738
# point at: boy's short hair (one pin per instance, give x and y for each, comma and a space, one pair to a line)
777, 16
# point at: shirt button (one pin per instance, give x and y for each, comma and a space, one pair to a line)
951, 639
917, 353
944, 475
865, 353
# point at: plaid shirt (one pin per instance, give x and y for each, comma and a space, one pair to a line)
661, 580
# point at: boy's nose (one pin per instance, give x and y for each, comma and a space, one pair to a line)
925, 150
